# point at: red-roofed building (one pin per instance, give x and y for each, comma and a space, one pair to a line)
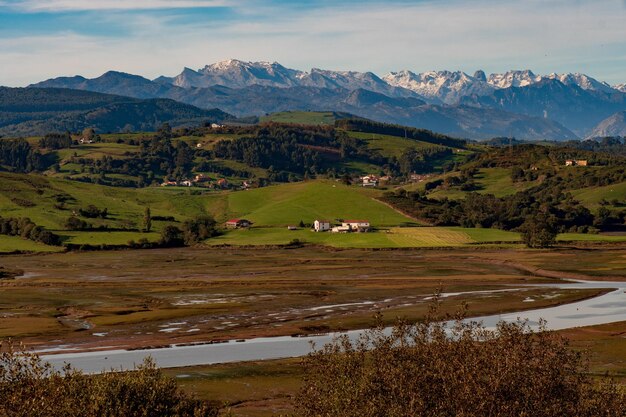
238, 223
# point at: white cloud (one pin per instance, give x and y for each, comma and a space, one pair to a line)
495, 36
93, 5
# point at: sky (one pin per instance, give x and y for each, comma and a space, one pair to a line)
41, 39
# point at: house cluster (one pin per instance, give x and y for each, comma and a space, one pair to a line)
419, 177
84, 141
347, 226
576, 163
373, 180
199, 180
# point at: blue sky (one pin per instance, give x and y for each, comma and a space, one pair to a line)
41, 39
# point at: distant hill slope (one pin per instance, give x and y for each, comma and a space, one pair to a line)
614, 125
306, 117
36, 111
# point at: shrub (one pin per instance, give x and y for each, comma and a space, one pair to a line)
429, 369
32, 388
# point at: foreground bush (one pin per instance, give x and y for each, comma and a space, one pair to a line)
30, 388
429, 370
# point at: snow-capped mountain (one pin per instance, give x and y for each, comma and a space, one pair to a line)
444, 86
576, 101
583, 81
233, 73
450, 86
620, 87
525, 78
514, 78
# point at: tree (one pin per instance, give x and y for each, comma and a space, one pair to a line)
171, 236
199, 229
147, 220
74, 223
56, 141
539, 232
89, 133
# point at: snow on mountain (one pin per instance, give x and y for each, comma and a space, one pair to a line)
527, 77
583, 81
435, 86
444, 86
236, 74
239, 74
620, 87
514, 78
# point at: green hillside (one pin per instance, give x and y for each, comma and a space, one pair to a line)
496, 181
305, 117
389, 145
49, 202
282, 205
37, 111
592, 196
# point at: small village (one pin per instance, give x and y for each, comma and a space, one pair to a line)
340, 226
201, 180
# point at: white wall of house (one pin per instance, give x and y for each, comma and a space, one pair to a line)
321, 226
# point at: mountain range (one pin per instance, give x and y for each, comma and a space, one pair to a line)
515, 103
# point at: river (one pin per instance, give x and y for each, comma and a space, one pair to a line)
607, 308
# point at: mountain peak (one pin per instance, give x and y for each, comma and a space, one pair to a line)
480, 76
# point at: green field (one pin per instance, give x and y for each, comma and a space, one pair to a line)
593, 195
107, 238
9, 244
496, 181
389, 145
587, 237
395, 237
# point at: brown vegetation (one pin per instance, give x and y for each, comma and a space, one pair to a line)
31, 388
429, 370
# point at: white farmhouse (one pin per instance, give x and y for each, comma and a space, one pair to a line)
369, 181
321, 225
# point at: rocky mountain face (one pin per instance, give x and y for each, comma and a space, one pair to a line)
614, 125
576, 102
570, 105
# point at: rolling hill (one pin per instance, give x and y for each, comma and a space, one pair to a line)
36, 111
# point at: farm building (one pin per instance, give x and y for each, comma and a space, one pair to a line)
576, 163
238, 223
321, 225
356, 225
369, 181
